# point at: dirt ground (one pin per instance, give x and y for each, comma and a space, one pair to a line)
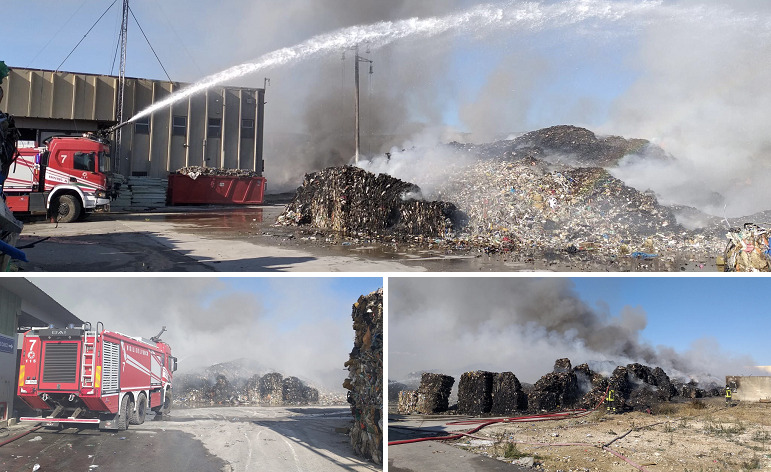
696, 436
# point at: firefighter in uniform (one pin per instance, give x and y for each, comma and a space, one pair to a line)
610, 401
727, 394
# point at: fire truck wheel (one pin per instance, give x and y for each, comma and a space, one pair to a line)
67, 209
138, 416
123, 413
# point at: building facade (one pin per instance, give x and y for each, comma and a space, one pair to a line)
221, 127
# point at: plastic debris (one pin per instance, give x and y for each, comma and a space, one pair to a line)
747, 250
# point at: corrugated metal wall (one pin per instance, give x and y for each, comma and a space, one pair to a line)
218, 128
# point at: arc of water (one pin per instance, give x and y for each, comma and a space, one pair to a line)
479, 19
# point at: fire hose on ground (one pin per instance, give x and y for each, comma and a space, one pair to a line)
19, 436
567, 414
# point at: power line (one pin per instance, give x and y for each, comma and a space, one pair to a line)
84, 36
148, 43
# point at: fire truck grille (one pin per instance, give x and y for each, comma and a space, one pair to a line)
61, 363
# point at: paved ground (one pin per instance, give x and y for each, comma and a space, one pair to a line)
204, 439
434, 455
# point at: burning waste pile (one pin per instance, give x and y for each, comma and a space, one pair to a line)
225, 385
365, 377
480, 393
352, 201
546, 192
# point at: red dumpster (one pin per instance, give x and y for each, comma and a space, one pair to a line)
215, 189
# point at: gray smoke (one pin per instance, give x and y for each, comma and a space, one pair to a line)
452, 325
210, 322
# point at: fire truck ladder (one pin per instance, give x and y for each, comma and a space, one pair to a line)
89, 359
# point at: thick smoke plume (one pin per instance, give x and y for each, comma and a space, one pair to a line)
453, 325
210, 321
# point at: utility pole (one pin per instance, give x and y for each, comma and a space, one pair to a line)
356, 60
121, 83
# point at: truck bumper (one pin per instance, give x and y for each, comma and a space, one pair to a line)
93, 203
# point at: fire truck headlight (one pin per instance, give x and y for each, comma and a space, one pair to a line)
100, 194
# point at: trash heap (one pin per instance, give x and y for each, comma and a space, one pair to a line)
556, 390
593, 383
475, 393
215, 388
196, 171
747, 250
352, 201
431, 397
638, 387
365, 377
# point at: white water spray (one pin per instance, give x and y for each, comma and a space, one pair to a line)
479, 20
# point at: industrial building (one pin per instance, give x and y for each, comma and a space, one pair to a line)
221, 127
22, 305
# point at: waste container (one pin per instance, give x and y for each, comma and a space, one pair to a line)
215, 189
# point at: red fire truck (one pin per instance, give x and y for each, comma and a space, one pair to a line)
68, 177
85, 376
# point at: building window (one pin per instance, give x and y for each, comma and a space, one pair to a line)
247, 128
179, 126
215, 127
142, 125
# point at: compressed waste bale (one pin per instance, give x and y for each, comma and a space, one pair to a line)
272, 388
554, 391
408, 402
310, 395
475, 393
253, 389
365, 377
507, 395
434, 393
221, 391
292, 391
351, 200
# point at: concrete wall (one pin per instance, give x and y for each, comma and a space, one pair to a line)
10, 307
750, 388
45, 103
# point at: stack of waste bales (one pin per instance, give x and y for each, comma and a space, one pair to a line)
350, 200
365, 377
196, 171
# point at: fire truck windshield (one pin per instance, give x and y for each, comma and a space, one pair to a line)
104, 162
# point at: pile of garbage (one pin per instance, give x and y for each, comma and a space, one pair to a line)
238, 388
747, 250
636, 387
365, 377
196, 171
556, 390
352, 201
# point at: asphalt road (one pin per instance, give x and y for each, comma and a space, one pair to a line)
205, 439
435, 455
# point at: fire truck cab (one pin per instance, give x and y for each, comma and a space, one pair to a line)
84, 376
67, 176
